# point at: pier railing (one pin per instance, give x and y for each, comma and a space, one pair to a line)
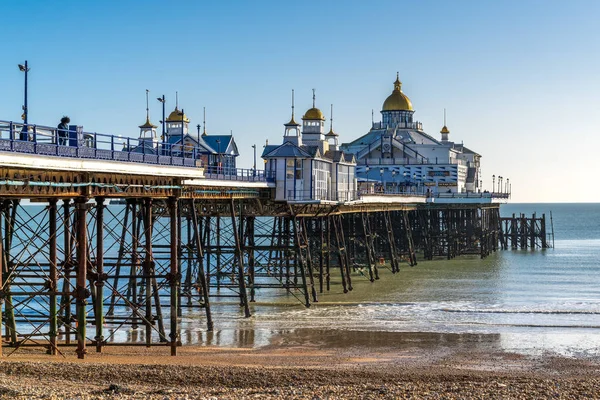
238, 174
343, 196
470, 195
75, 143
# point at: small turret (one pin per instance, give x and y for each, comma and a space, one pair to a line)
292, 129
445, 131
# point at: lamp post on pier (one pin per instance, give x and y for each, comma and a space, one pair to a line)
25, 68
394, 180
254, 165
493, 183
381, 179
499, 184
162, 122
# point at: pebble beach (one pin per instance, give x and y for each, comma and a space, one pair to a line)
198, 372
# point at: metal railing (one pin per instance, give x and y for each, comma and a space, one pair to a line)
375, 162
324, 195
238, 174
470, 195
321, 195
50, 141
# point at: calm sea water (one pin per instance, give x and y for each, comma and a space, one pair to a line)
530, 301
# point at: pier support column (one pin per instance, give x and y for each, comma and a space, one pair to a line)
201, 275
101, 277
81, 280
53, 287
148, 268
239, 256
174, 275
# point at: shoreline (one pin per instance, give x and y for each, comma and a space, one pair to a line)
461, 366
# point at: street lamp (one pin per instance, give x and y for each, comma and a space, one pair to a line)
381, 178
394, 180
507, 185
493, 183
254, 166
499, 184
25, 68
162, 122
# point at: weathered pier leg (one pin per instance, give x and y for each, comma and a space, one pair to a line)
174, 276
239, 256
368, 240
300, 261
99, 311
148, 270
53, 284
201, 276
251, 260
308, 261
81, 279
2, 284
67, 267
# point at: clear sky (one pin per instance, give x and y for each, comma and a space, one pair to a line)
519, 79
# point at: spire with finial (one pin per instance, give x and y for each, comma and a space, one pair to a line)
331, 132
398, 83
176, 100
147, 124
314, 98
445, 131
292, 121
204, 122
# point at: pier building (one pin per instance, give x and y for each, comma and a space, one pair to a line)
215, 153
308, 166
398, 154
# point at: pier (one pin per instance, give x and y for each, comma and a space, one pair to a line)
96, 241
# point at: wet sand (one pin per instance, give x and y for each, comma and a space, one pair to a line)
305, 365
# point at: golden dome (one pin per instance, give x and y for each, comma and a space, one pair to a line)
397, 101
314, 113
175, 116
445, 130
147, 124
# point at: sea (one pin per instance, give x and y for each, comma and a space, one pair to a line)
526, 301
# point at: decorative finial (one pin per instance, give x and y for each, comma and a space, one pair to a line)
204, 122
331, 120
444, 116
398, 84
176, 100
314, 97
372, 117
292, 104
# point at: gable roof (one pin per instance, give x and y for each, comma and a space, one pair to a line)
287, 149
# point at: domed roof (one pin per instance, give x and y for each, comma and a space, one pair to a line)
147, 124
397, 101
314, 113
176, 116
445, 129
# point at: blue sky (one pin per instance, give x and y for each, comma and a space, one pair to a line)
519, 79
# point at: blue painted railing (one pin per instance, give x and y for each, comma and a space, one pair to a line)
75, 143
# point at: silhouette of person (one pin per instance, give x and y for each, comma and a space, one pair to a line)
63, 130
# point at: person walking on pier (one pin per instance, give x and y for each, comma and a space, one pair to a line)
63, 130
